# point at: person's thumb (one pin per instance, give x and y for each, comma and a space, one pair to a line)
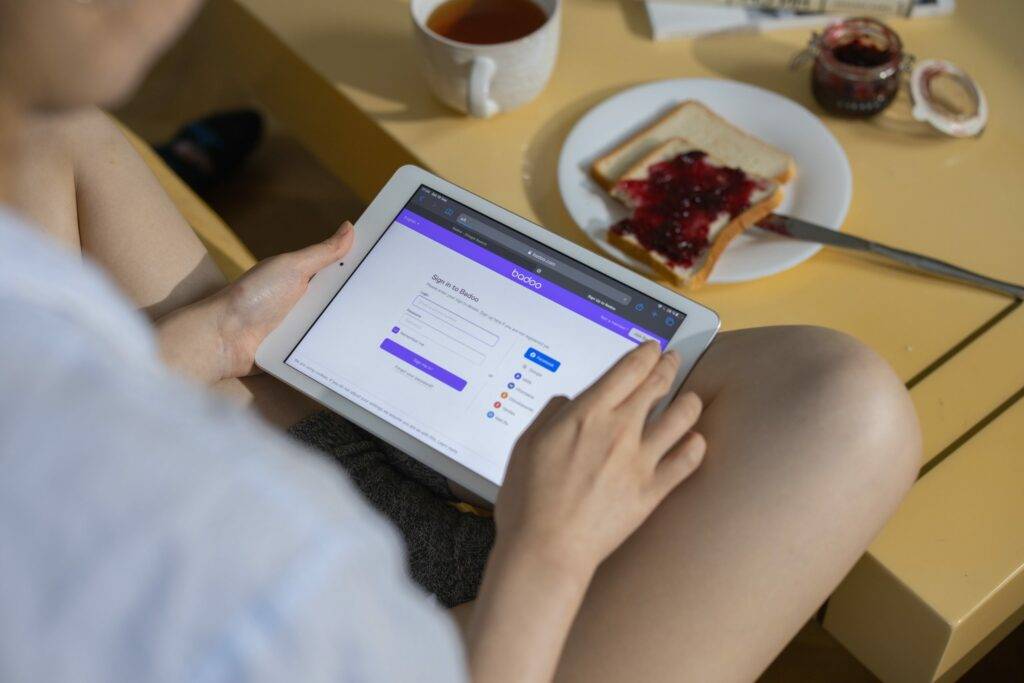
318, 256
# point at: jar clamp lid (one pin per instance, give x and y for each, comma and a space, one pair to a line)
942, 94
947, 98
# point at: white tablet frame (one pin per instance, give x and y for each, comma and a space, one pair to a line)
694, 335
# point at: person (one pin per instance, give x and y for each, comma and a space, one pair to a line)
153, 530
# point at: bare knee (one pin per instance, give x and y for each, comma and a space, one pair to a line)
860, 400
838, 391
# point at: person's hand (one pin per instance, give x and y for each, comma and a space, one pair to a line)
217, 338
589, 471
257, 302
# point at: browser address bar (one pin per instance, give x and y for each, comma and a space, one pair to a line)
543, 258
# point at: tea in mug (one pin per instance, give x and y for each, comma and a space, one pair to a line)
485, 22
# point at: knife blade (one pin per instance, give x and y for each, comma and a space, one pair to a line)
795, 228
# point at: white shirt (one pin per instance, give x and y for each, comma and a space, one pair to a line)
149, 532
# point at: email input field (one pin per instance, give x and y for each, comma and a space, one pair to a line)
452, 324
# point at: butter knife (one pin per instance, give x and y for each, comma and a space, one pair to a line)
787, 226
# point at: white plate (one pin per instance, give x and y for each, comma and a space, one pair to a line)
820, 193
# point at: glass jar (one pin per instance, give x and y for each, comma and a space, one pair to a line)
857, 67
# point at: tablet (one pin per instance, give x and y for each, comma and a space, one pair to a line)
452, 322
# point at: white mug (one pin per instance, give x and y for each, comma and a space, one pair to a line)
483, 80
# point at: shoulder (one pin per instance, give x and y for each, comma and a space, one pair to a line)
69, 133
146, 502
79, 139
64, 148
86, 127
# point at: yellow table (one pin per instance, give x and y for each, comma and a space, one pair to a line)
945, 578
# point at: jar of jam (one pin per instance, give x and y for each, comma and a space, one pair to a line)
857, 66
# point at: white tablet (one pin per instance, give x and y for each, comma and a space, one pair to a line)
452, 321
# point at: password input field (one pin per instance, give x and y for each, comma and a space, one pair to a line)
425, 330
452, 324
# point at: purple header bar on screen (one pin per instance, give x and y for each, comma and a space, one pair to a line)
528, 279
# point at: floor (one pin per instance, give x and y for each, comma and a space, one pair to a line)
283, 199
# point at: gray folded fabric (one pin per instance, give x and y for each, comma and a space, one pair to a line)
447, 549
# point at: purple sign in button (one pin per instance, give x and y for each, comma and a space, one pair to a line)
418, 361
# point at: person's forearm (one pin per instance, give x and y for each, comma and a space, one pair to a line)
527, 603
190, 341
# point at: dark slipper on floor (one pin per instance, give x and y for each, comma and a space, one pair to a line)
208, 150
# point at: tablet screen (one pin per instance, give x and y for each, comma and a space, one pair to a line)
458, 329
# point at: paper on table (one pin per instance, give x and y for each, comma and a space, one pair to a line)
671, 19
901, 7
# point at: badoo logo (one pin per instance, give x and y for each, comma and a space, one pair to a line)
525, 279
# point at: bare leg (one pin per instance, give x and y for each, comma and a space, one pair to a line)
100, 197
109, 203
275, 401
812, 442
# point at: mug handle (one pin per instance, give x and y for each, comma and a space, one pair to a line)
478, 89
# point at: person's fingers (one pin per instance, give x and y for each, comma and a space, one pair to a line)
316, 257
655, 385
672, 424
679, 464
623, 377
552, 408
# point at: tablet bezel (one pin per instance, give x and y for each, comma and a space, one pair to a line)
694, 335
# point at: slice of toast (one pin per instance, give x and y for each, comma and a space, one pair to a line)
688, 205
693, 121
